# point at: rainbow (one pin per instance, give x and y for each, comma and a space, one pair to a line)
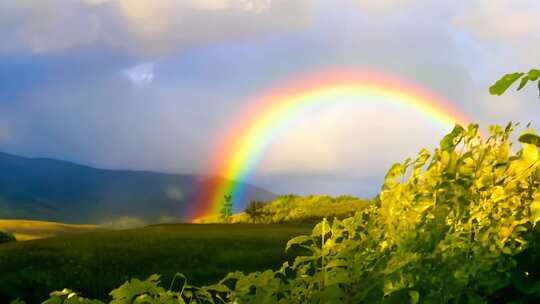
237, 152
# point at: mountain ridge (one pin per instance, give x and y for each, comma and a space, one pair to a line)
58, 190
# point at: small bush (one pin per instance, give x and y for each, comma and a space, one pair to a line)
6, 237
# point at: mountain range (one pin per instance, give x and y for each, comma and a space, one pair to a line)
55, 190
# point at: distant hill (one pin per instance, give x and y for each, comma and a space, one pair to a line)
54, 190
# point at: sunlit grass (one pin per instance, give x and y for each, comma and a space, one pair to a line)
25, 230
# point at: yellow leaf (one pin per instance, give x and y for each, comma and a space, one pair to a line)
503, 152
529, 153
498, 194
505, 233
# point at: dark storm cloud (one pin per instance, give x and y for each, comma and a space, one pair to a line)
21, 73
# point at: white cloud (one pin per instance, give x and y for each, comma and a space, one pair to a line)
510, 27
141, 74
145, 27
501, 19
380, 6
50, 25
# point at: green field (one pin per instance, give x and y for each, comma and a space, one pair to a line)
96, 262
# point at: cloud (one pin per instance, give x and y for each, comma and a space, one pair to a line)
104, 120
144, 27
381, 6
44, 26
151, 84
509, 28
501, 19
141, 74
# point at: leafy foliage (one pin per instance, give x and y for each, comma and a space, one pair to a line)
6, 237
456, 225
255, 211
507, 80
303, 209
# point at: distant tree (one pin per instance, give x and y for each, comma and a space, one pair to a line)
255, 210
507, 80
6, 237
226, 209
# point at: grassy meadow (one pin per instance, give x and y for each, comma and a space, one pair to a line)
95, 262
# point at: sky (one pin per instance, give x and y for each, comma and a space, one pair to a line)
151, 85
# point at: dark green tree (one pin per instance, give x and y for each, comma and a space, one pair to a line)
6, 237
226, 209
255, 211
507, 80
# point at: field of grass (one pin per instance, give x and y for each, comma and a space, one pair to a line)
30, 230
96, 262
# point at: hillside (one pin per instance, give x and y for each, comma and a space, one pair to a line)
25, 230
299, 209
53, 190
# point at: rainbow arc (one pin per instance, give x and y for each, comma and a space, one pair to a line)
238, 151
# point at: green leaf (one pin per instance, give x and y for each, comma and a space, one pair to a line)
398, 262
54, 300
338, 276
474, 299
335, 263
415, 296
451, 140
533, 74
422, 158
523, 82
218, 288
321, 228
244, 283
504, 83
135, 287
299, 240
529, 137
395, 171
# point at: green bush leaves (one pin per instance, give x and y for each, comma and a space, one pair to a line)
454, 225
